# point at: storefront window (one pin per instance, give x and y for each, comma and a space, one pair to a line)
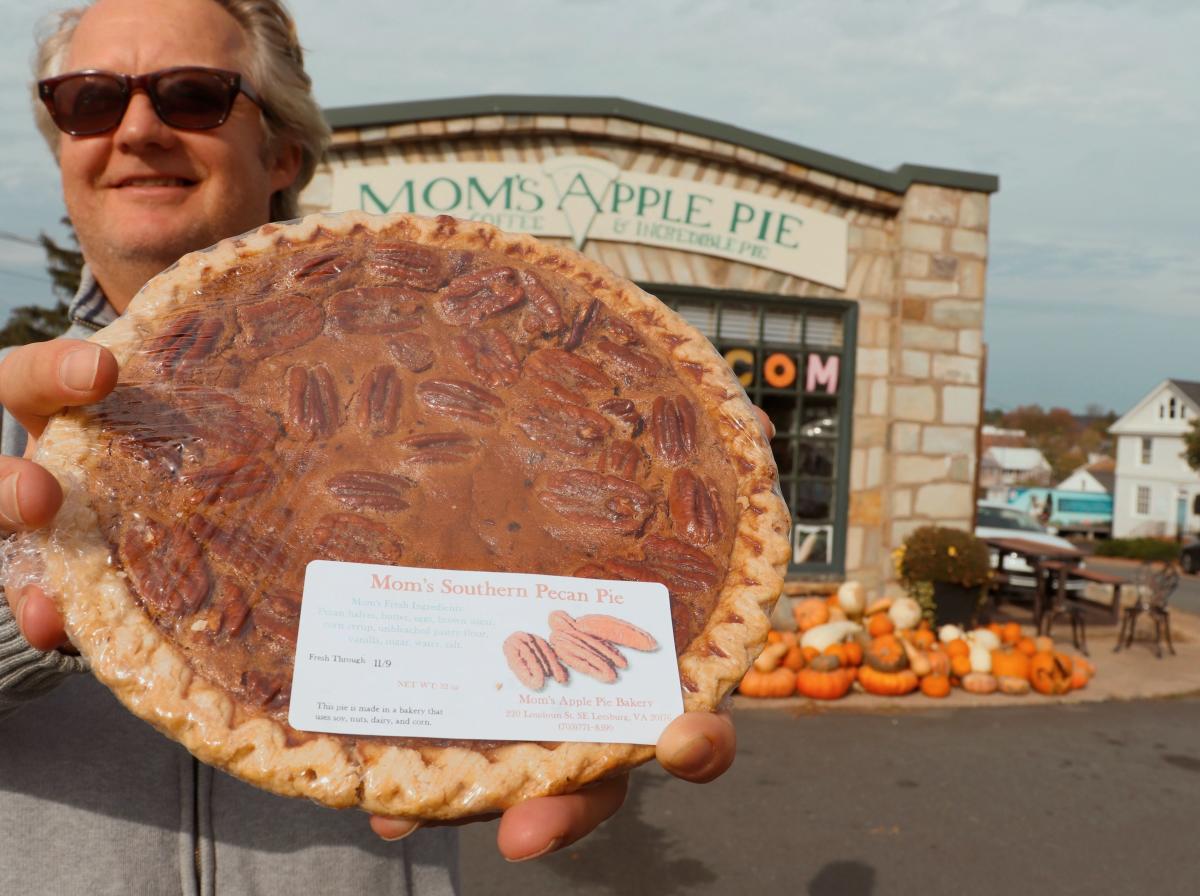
795, 359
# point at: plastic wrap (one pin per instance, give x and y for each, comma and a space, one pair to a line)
405, 391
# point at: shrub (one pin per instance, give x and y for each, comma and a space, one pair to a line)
941, 554
1138, 548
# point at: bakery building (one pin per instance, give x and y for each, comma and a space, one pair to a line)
848, 299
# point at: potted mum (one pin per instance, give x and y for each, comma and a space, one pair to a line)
945, 570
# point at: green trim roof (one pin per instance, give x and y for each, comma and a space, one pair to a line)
897, 180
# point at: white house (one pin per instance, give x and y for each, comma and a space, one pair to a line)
1155, 491
1001, 469
1097, 477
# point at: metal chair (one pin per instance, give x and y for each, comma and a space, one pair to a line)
1155, 584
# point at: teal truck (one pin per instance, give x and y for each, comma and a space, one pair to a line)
1067, 513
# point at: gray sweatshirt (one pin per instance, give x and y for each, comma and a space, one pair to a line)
94, 801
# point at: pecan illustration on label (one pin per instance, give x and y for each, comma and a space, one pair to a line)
616, 631
582, 656
532, 660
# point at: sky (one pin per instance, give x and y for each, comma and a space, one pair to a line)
1088, 110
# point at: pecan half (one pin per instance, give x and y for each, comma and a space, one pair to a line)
561, 621
265, 690
621, 458
413, 350
544, 314
673, 429
681, 567
626, 411
187, 340
532, 660
412, 265
277, 325
437, 447
473, 297
379, 400
233, 479
459, 399
566, 376
596, 500
229, 607
375, 309
367, 490
581, 324
568, 428
322, 268
355, 539
616, 631
695, 509
166, 566
582, 657
632, 364
277, 615
240, 546
490, 355
314, 409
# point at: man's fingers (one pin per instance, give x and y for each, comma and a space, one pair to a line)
540, 826
38, 618
29, 495
765, 422
41, 379
393, 828
698, 746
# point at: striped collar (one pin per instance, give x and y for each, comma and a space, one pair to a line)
90, 307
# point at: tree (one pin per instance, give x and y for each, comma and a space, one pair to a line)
37, 323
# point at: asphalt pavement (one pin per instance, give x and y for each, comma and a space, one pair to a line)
1100, 798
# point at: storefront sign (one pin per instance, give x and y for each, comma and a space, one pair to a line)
584, 198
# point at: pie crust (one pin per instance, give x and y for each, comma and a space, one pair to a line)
160, 638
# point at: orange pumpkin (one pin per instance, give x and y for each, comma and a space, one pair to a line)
939, 662
838, 650
1011, 663
810, 612
960, 665
886, 654
922, 638
1026, 646
880, 624
1011, 633
826, 662
1043, 643
935, 685
810, 653
824, 685
887, 684
774, 637
854, 653
1050, 673
779, 682
996, 629
1014, 687
957, 647
979, 683
1079, 678
793, 659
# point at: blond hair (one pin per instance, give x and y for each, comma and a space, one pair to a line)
275, 70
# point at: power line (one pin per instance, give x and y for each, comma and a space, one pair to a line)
24, 276
17, 238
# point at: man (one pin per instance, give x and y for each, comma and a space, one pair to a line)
94, 800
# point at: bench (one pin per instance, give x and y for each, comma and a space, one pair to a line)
1066, 571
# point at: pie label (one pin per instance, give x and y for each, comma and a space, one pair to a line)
436, 653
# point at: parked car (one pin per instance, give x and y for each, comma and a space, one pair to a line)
995, 519
1066, 512
1189, 557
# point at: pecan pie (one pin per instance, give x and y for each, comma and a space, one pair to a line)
405, 391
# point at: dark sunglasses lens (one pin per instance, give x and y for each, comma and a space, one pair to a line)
193, 100
89, 104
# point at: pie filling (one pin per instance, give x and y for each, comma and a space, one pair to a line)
377, 401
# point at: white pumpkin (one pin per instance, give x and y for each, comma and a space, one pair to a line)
984, 638
821, 636
981, 658
852, 598
905, 613
948, 633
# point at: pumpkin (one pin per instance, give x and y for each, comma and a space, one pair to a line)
935, 686
837, 614
917, 660
886, 654
826, 662
852, 598
980, 658
922, 638
1011, 633
771, 657
809, 653
810, 612
1010, 663
880, 624
1026, 646
1079, 678
854, 653
979, 683
1050, 673
878, 606
939, 662
994, 628
832, 685
793, 659
1013, 686
774, 637
887, 684
776, 683
837, 650
948, 633
905, 613
986, 639
960, 665
1043, 644
829, 633
957, 647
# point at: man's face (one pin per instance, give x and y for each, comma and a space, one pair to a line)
146, 192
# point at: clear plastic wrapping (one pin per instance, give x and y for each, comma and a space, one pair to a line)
403, 391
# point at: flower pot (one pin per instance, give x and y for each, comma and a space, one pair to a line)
956, 604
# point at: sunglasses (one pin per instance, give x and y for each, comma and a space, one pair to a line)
191, 98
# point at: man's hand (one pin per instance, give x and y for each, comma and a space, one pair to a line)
37, 381
697, 746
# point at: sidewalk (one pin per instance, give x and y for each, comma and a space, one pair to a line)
1133, 674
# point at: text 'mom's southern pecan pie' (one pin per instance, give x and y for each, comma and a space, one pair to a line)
405, 391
